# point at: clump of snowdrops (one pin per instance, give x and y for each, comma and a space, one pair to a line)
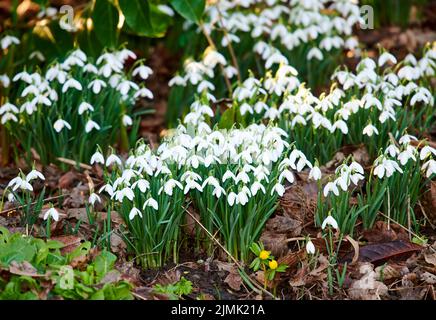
382, 97
72, 106
233, 179
259, 35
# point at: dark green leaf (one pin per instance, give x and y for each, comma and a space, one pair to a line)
189, 9
105, 18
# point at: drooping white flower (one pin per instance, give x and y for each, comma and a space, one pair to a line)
331, 187
60, 124
315, 173
315, 53
134, 212
34, 174
279, 189
97, 157
330, 221
386, 57
310, 247
91, 125
429, 167
150, 202
369, 130
125, 192
427, 151
127, 121
93, 198
18, 182
7, 41
96, 85
143, 71
113, 158
53, 213
71, 83
85, 106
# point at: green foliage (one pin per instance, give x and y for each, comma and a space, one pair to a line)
176, 290
105, 18
44, 266
190, 9
144, 18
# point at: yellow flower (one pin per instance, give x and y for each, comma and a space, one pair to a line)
273, 264
264, 254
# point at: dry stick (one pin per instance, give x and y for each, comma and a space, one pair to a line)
425, 215
212, 44
74, 163
227, 252
408, 230
31, 204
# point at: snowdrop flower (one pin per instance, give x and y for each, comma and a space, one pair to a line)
93, 198
315, 53
218, 191
60, 124
427, 151
125, 192
191, 184
310, 248
392, 150
143, 93
386, 57
8, 117
134, 212
53, 213
96, 85
279, 189
169, 186
90, 125
34, 174
11, 197
244, 108
256, 186
8, 107
329, 221
4, 80
143, 71
142, 184
71, 83
369, 130
7, 41
386, 167
331, 187
430, 167
232, 198
97, 157
18, 182
315, 173
127, 121
85, 106
113, 159
407, 138
406, 155
288, 175
150, 202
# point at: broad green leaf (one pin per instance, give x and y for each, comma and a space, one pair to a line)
105, 19
144, 18
189, 9
104, 263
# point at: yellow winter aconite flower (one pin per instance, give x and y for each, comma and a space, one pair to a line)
273, 264
264, 254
